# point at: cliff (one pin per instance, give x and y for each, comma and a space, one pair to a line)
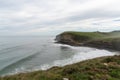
110, 40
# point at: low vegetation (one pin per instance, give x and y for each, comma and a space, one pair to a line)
104, 68
83, 36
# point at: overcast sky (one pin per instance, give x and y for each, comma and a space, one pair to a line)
50, 17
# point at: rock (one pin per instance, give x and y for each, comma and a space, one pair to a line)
66, 39
65, 79
105, 64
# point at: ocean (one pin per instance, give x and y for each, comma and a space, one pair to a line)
25, 54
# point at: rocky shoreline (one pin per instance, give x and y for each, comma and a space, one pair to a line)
104, 42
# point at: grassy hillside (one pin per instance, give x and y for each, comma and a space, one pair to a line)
105, 68
110, 40
93, 35
85, 35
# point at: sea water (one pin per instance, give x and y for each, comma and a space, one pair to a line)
23, 54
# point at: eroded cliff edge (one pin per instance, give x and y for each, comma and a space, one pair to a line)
108, 40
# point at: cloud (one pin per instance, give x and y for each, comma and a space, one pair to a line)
28, 17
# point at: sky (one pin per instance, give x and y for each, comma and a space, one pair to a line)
51, 17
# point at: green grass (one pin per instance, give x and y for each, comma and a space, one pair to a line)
93, 35
85, 35
104, 68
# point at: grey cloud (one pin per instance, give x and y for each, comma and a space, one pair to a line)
94, 14
15, 23
86, 15
117, 20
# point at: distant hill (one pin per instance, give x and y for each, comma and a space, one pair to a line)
108, 40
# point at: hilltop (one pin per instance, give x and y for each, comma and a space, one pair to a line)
105, 40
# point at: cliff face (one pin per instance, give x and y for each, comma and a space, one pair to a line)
98, 40
111, 43
70, 39
66, 39
77, 38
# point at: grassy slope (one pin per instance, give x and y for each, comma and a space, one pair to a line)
93, 35
86, 35
105, 68
109, 40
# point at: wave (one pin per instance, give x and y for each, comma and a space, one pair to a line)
76, 58
82, 53
18, 62
78, 48
9, 49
